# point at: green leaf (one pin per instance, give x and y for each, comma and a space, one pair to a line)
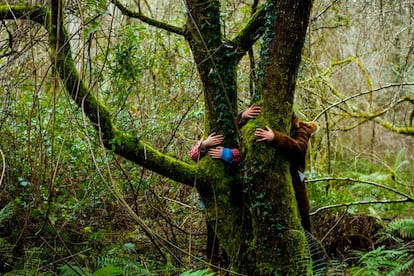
108, 271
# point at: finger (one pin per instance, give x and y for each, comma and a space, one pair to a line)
216, 142
214, 154
216, 138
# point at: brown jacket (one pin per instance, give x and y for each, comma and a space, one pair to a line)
294, 148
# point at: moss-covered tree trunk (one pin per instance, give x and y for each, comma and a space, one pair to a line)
278, 243
255, 215
217, 61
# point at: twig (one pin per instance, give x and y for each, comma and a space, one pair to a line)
363, 182
333, 227
3, 171
358, 95
407, 198
358, 203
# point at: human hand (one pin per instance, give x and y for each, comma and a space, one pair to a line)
265, 134
215, 152
212, 140
251, 112
221, 152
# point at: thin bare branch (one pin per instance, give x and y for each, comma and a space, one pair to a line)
3, 171
358, 203
360, 94
410, 198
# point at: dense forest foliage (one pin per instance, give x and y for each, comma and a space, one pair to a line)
69, 206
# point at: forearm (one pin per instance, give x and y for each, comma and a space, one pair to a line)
197, 151
289, 146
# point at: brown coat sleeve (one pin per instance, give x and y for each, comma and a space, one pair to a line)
294, 148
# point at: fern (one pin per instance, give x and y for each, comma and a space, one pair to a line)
204, 272
6, 256
382, 261
74, 270
401, 268
129, 267
108, 271
71, 269
334, 268
402, 227
318, 255
7, 211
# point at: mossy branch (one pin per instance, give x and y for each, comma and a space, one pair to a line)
34, 13
113, 139
253, 30
391, 127
143, 154
150, 21
363, 118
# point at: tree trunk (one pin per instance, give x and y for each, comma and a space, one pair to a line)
256, 216
278, 243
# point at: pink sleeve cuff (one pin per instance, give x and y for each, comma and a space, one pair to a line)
194, 153
236, 156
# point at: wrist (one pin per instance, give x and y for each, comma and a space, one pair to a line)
227, 155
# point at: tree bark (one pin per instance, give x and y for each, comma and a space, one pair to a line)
278, 243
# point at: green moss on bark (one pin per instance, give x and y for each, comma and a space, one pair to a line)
271, 203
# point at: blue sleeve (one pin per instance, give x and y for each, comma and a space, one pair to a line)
227, 155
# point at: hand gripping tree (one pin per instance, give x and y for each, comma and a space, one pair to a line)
251, 207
